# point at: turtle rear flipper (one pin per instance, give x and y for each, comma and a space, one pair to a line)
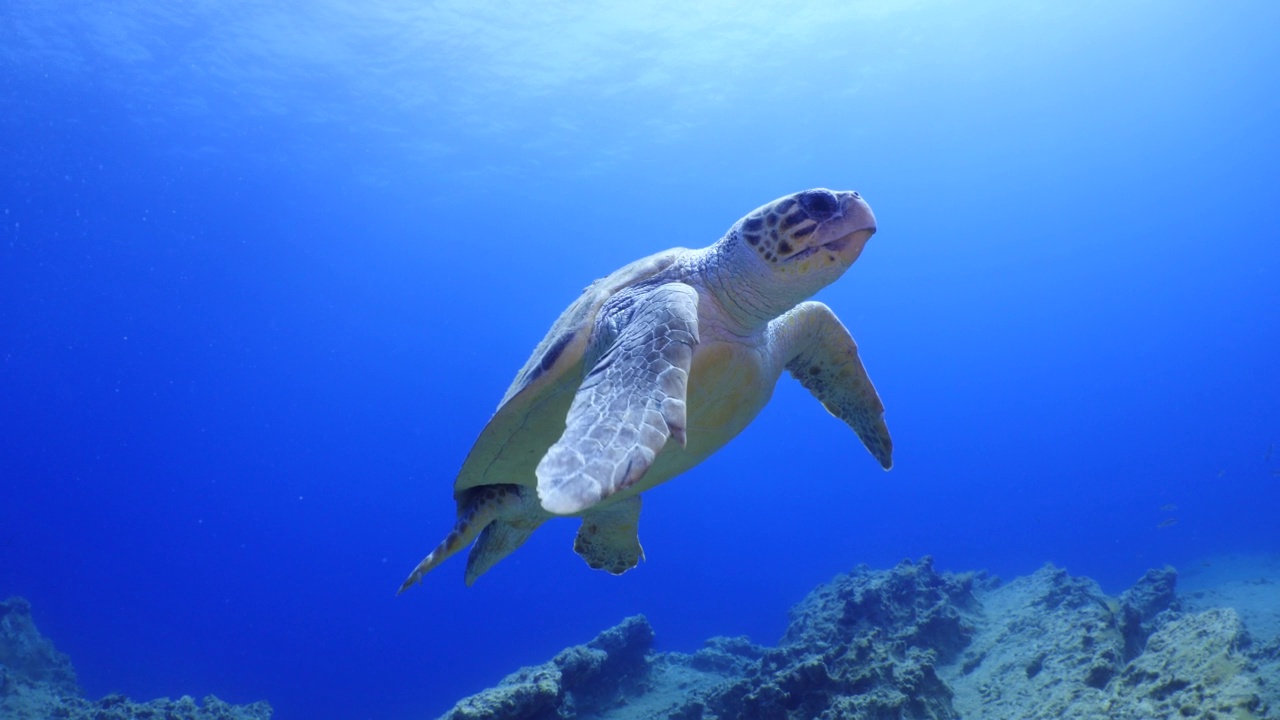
630, 402
608, 537
499, 539
476, 511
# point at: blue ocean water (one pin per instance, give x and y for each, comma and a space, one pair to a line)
265, 272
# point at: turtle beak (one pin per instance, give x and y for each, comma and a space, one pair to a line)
849, 247
857, 213
861, 223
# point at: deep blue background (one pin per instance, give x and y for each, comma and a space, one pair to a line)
265, 273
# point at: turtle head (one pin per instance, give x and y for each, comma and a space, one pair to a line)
791, 248
816, 233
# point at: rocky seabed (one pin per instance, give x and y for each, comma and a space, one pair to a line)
37, 682
913, 643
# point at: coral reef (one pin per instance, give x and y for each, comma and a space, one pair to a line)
38, 683
913, 643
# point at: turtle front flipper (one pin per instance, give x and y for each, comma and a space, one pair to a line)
608, 538
820, 353
629, 403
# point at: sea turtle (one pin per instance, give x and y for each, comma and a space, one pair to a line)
685, 345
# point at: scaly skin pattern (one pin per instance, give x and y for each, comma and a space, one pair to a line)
688, 350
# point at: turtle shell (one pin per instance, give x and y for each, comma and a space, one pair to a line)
531, 416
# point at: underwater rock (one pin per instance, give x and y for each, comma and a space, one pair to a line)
1054, 646
912, 643
864, 645
577, 681
1267, 657
27, 657
119, 707
1193, 667
1141, 606
38, 683
728, 656
915, 604
1046, 647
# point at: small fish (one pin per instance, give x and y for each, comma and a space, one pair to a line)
1167, 523
1222, 474
1169, 508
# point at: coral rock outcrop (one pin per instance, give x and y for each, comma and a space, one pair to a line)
913, 643
38, 683
584, 679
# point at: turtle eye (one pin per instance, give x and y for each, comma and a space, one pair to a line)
818, 204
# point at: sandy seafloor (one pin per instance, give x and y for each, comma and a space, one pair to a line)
907, 642
1248, 583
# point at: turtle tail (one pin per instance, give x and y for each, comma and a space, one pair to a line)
477, 509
